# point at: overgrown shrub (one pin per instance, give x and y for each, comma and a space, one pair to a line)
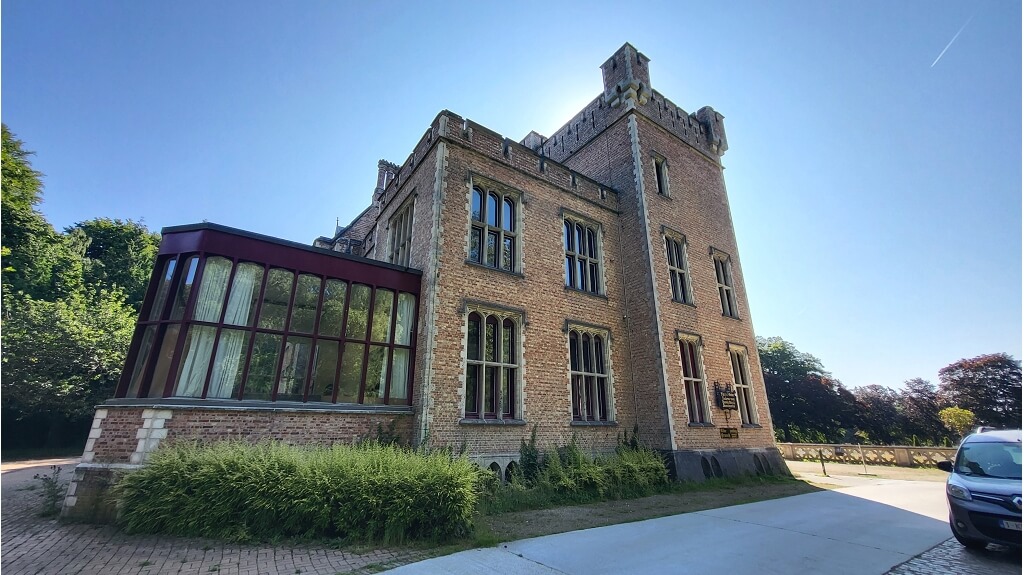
244, 492
568, 475
529, 459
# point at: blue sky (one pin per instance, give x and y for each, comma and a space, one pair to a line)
876, 196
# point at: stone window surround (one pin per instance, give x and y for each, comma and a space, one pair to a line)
588, 224
699, 383
518, 319
503, 192
609, 391
678, 272
739, 360
401, 227
661, 178
722, 262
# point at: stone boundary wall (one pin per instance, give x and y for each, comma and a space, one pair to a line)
901, 455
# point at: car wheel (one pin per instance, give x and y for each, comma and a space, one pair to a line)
967, 541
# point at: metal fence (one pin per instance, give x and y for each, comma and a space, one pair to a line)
902, 455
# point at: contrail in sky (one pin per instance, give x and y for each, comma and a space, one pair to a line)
955, 36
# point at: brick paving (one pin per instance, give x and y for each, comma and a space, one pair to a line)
34, 545
951, 558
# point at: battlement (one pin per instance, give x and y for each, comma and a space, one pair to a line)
464, 132
627, 87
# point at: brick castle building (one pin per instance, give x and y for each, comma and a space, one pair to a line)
585, 285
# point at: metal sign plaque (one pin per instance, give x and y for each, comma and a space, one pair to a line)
727, 400
729, 433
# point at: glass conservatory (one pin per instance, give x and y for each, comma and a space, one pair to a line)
232, 315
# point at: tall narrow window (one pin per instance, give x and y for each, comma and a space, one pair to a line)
678, 269
741, 384
588, 374
492, 366
723, 274
661, 175
400, 232
693, 379
493, 230
582, 255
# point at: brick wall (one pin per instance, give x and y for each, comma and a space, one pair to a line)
538, 289
126, 433
698, 207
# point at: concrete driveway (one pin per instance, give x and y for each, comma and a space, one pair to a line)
865, 529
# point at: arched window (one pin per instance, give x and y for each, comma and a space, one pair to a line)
492, 366
678, 269
493, 234
582, 256
589, 379
693, 379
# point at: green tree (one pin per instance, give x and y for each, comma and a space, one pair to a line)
66, 320
117, 254
61, 358
919, 404
988, 385
957, 420
880, 416
29, 243
806, 403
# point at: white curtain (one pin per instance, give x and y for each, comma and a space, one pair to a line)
406, 320
400, 374
228, 364
209, 303
243, 291
216, 272
230, 359
193, 369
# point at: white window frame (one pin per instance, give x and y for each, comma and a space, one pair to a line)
400, 230
726, 287
678, 274
580, 379
694, 386
572, 253
742, 385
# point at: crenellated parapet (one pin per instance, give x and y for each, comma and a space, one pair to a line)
627, 79
537, 163
627, 87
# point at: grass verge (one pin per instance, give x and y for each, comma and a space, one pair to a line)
674, 499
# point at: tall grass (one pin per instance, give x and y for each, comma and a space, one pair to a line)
245, 492
567, 475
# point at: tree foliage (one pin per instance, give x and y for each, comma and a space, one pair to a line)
919, 405
65, 356
69, 305
988, 385
117, 254
806, 403
29, 241
809, 405
957, 420
881, 418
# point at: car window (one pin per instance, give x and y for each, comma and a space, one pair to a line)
1000, 460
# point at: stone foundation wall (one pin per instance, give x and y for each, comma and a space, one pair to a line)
701, 465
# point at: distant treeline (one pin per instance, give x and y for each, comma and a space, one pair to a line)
809, 405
